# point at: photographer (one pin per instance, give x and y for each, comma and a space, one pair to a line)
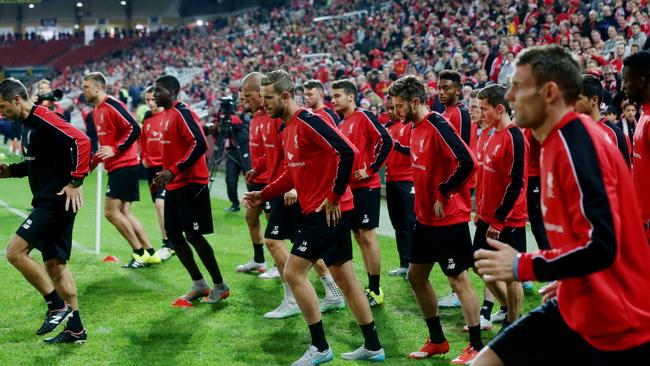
47, 97
232, 146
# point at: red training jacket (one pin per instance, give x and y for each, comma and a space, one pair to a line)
328, 115
641, 164
599, 253
150, 149
398, 164
116, 128
319, 163
535, 150
256, 145
183, 147
272, 165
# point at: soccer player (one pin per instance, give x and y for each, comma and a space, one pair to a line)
250, 92
636, 85
319, 163
442, 167
374, 144
589, 102
450, 94
284, 222
533, 192
118, 133
151, 156
187, 202
400, 194
57, 158
597, 311
315, 101
502, 207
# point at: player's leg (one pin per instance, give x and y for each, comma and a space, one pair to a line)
113, 213
18, 255
232, 177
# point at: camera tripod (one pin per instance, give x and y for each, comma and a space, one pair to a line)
221, 153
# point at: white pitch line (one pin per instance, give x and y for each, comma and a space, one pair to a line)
22, 214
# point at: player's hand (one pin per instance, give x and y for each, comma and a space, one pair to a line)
5, 171
291, 197
498, 264
439, 210
161, 180
250, 175
73, 197
362, 173
549, 291
493, 233
332, 212
105, 152
253, 199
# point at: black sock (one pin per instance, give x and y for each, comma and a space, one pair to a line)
151, 251
475, 337
74, 324
205, 252
435, 329
486, 309
371, 340
139, 252
318, 336
504, 309
373, 283
54, 301
168, 244
259, 253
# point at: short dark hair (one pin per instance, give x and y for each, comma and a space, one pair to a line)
281, 82
347, 85
554, 63
474, 93
495, 95
450, 75
150, 89
314, 84
591, 87
11, 87
408, 88
639, 63
170, 83
97, 77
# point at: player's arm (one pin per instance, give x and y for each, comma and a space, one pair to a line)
17, 170
516, 158
121, 117
189, 130
280, 186
382, 140
458, 151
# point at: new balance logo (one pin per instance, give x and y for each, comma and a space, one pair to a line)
451, 264
108, 189
365, 219
27, 224
56, 319
412, 190
276, 230
303, 247
195, 226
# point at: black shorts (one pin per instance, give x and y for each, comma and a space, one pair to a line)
151, 174
283, 221
450, 246
522, 343
50, 231
316, 240
400, 198
366, 208
258, 187
188, 209
124, 184
514, 236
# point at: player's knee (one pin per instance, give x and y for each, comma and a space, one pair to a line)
252, 217
111, 214
194, 238
15, 251
54, 268
160, 205
415, 278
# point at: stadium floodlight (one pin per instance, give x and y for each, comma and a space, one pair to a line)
123, 3
80, 4
31, 6
76, 26
199, 23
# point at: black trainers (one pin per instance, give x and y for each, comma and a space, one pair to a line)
67, 336
53, 318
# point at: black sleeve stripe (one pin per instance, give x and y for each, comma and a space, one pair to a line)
621, 142
333, 115
465, 124
345, 151
406, 150
460, 151
135, 128
200, 145
516, 186
386, 144
600, 249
